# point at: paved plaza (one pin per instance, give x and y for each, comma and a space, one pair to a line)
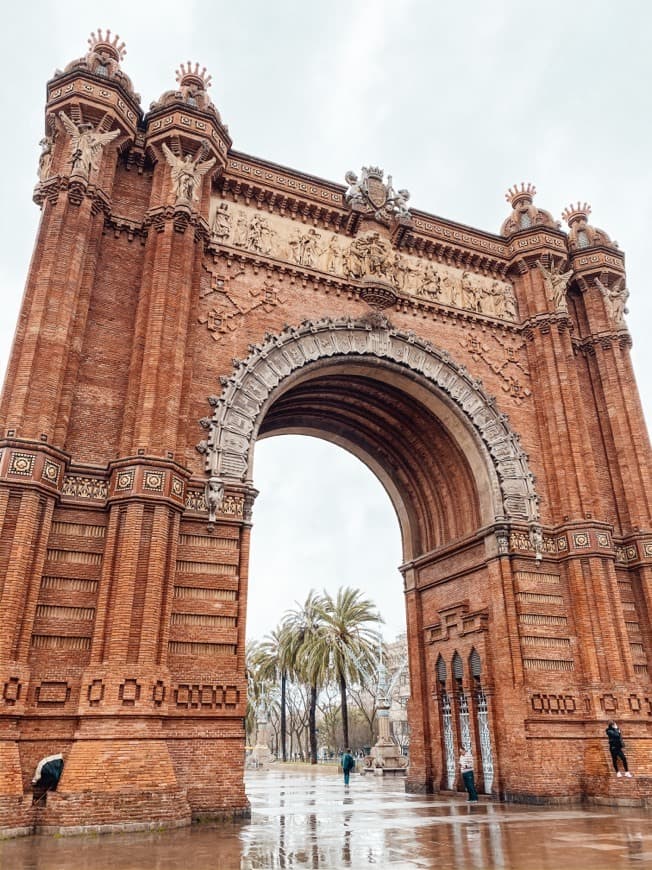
306, 819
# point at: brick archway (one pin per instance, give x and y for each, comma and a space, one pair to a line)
125, 614
271, 368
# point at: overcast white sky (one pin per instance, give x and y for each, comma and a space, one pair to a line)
456, 101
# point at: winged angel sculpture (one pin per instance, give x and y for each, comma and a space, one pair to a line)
187, 172
86, 145
616, 298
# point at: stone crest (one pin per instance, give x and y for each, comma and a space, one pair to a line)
370, 193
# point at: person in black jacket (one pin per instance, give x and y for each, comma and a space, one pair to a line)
616, 748
348, 764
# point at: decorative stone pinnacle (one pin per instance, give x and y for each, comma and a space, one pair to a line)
515, 195
105, 43
187, 76
576, 212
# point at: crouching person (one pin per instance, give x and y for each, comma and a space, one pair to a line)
46, 776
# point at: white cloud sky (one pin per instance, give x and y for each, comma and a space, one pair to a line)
457, 102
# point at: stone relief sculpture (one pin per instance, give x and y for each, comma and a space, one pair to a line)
241, 232
260, 236
221, 226
367, 255
187, 173
86, 146
333, 256
429, 283
581, 234
304, 247
555, 282
615, 298
524, 213
45, 158
369, 193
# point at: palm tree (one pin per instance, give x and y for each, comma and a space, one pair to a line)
348, 640
304, 626
271, 661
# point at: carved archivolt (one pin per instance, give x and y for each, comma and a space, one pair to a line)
246, 394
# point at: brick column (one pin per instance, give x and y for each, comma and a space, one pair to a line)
420, 773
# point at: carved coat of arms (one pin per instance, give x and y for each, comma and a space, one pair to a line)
370, 193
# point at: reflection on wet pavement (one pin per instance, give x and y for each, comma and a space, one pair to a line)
305, 819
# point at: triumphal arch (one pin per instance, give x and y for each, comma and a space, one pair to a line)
185, 300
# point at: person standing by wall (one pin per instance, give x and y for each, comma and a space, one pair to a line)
348, 763
466, 767
616, 748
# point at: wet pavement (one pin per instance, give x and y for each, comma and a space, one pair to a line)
305, 819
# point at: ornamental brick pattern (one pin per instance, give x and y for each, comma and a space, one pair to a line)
185, 299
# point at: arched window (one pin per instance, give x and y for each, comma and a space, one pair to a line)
482, 712
458, 667
475, 664
447, 724
462, 703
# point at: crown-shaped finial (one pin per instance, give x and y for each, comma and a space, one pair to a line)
104, 42
515, 194
576, 212
186, 75
374, 172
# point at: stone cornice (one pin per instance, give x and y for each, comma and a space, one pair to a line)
290, 193
180, 119
543, 323
587, 344
104, 94
77, 190
181, 216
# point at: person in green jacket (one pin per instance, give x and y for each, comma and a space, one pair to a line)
348, 764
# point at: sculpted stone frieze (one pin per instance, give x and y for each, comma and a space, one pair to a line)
366, 255
227, 449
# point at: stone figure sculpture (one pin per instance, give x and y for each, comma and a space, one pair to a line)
397, 200
187, 173
615, 298
555, 282
86, 145
222, 222
45, 158
304, 247
333, 256
353, 194
214, 497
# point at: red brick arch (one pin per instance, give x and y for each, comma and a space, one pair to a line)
498, 464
